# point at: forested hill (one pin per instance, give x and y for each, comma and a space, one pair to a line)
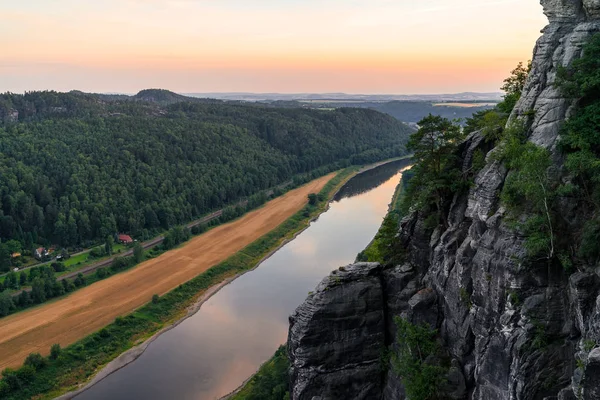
76, 168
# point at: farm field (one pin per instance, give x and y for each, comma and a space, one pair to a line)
89, 309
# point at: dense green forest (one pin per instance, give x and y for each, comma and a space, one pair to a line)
77, 168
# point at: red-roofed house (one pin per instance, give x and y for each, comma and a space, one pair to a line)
41, 253
125, 239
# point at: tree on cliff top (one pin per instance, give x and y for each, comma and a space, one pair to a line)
434, 146
492, 122
513, 86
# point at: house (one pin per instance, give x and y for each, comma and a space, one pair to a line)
124, 239
41, 253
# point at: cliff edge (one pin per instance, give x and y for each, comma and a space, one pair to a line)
509, 331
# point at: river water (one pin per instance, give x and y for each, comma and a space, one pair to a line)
213, 352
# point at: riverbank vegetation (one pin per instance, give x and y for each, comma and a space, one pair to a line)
76, 168
384, 247
78, 362
271, 382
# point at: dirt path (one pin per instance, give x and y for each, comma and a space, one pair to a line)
88, 310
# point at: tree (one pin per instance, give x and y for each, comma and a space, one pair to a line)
66, 286
313, 199
416, 360
13, 246
492, 122
101, 273
11, 281
515, 83
513, 87
138, 253
80, 280
38, 290
58, 266
65, 254
24, 299
36, 361
436, 174
22, 278
55, 351
6, 304
4, 258
108, 245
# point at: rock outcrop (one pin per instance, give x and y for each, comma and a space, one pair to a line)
510, 332
340, 336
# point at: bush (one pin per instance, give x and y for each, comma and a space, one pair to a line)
155, 299
176, 236
7, 305
530, 190
58, 267
121, 263
271, 382
313, 199
97, 252
101, 273
198, 229
55, 351
4, 389
80, 280
416, 360
10, 377
36, 361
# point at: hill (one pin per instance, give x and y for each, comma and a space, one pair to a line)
162, 96
77, 168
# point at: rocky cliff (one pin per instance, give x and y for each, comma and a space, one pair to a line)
510, 332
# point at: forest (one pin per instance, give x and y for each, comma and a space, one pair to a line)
77, 168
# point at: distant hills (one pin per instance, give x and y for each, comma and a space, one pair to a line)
466, 96
406, 108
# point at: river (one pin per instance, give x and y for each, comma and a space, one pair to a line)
213, 352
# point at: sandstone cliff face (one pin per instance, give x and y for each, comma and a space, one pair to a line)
466, 280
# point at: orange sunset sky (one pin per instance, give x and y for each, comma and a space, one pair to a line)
286, 46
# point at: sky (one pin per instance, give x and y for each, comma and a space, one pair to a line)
284, 46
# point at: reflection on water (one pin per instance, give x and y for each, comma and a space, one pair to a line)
213, 352
369, 180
